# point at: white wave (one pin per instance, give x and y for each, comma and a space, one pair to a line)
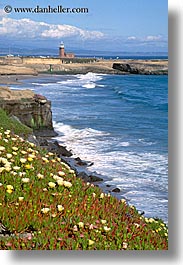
90, 77
89, 85
43, 84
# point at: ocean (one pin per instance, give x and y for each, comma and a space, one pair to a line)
120, 123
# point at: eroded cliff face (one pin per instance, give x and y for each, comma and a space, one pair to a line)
31, 109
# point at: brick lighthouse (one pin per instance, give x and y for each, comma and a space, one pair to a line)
63, 54
62, 50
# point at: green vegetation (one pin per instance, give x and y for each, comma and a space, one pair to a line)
45, 206
13, 125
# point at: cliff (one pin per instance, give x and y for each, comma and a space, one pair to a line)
31, 109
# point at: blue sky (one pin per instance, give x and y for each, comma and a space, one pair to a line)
121, 25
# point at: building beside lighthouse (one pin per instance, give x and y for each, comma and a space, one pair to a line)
63, 54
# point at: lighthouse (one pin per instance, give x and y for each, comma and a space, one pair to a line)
62, 50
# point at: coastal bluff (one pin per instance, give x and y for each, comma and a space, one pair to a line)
34, 66
31, 109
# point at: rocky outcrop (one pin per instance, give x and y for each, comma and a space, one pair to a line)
140, 69
31, 109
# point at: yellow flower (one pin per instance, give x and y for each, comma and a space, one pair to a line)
45, 210
9, 191
30, 159
45, 159
9, 187
51, 184
90, 242
60, 208
28, 166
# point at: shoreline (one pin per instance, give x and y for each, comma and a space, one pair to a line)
11, 72
77, 164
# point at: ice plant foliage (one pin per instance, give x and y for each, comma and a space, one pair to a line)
45, 206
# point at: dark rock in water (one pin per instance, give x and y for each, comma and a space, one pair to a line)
80, 162
108, 186
95, 178
62, 150
89, 178
116, 190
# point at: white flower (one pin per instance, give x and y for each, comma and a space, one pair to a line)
20, 199
61, 173
9, 155
75, 228
60, 182
25, 180
102, 195
51, 184
103, 221
2, 148
81, 224
40, 176
67, 184
16, 168
60, 208
45, 210
107, 228
125, 245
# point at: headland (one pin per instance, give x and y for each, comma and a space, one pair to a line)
12, 67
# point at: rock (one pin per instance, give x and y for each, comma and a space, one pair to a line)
80, 162
95, 178
89, 178
32, 110
140, 68
116, 190
62, 150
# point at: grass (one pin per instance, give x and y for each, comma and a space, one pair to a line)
13, 125
46, 207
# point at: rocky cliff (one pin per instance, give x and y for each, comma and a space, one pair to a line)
141, 68
31, 109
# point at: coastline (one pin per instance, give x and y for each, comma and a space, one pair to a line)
16, 79
12, 72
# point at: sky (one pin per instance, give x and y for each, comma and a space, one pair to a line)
118, 25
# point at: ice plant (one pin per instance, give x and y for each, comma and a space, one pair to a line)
45, 210
51, 184
60, 208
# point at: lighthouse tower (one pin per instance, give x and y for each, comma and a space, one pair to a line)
61, 50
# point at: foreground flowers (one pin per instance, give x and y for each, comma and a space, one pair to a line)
45, 206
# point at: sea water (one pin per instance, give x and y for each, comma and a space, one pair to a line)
120, 123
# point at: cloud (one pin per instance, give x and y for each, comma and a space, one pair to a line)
132, 38
153, 38
27, 28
